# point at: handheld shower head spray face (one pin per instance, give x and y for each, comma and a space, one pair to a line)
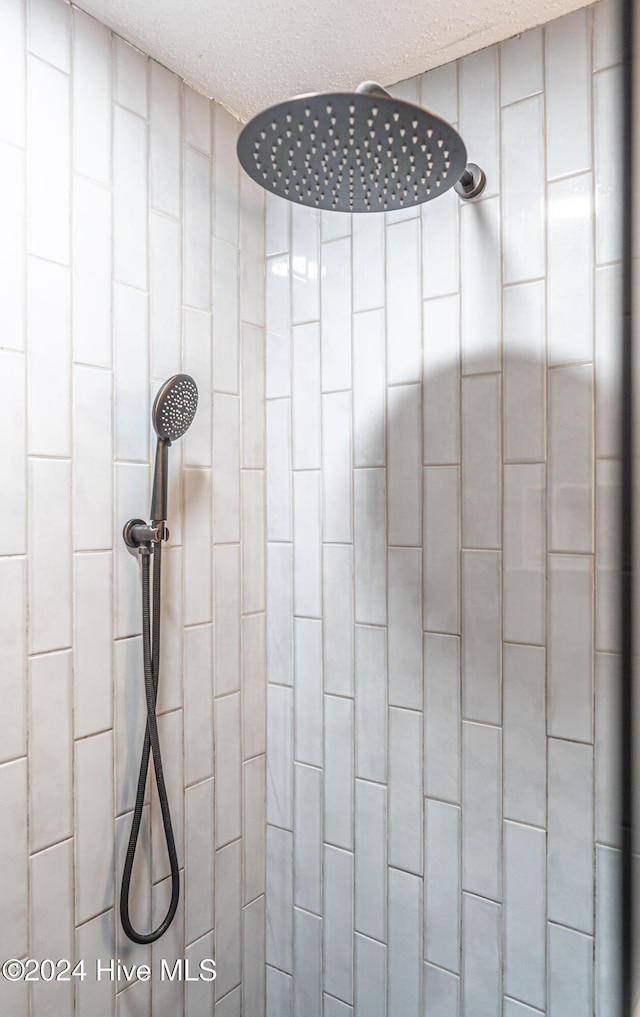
173, 411
175, 407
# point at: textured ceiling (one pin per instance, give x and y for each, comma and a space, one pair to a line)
249, 54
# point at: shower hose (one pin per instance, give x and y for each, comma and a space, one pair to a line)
151, 654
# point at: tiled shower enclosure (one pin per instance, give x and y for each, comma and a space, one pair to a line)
442, 489
390, 671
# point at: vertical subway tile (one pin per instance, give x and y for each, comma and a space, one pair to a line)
481, 636
524, 735
338, 923
226, 180
523, 189
198, 705
278, 470
439, 90
442, 716
48, 32
371, 703
481, 457
524, 913
337, 615
403, 465
334, 225
404, 339
226, 469
368, 388
480, 281
228, 762
277, 214
481, 806
251, 251
253, 367
170, 691
199, 995
568, 95
521, 69
49, 555
13, 413
479, 112
305, 264
170, 730
608, 776
441, 991
164, 140
570, 973
405, 789
93, 817
607, 34
442, 884
308, 691
336, 467
370, 546
440, 246
13, 657
570, 832
13, 72
94, 940
570, 641
405, 627
197, 546
307, 543
254, 685
307, 838
608, 106
371, 859
608, 560
608, 328
481, 957
196, 119
226, 615
608, 945
131, 379
228, 917
335, 314
196, 239
570, 270
441, 380
307, 963
91, 97
279, 898
338, 771
280, 756
253, 563
196, 361
523, 311
92, 458
368, 262
226, 317
165, 294
523, 558
50, 750
51, 924
571, 459
132, 496
48, 161
13, 240
278, 322
253, 963
129, 198
279, 993
305, 404
14, 854
370, 988
404, 969
48, 359
442, 549
129, 715
253, 827
280, 613
130, 77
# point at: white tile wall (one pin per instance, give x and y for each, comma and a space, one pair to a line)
452, 617
126, 243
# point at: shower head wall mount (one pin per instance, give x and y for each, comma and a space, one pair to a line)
362, 151
173, 411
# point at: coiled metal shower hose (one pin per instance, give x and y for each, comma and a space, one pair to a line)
151, 654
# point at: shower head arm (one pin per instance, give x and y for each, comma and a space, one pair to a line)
372, 88
160, 479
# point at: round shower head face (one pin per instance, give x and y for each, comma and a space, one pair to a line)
352, 152
175, 407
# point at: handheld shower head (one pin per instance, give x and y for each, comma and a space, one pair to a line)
174, 407
173, 411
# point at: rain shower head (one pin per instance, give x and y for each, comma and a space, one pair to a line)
174, 407
173, 411
360, 151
